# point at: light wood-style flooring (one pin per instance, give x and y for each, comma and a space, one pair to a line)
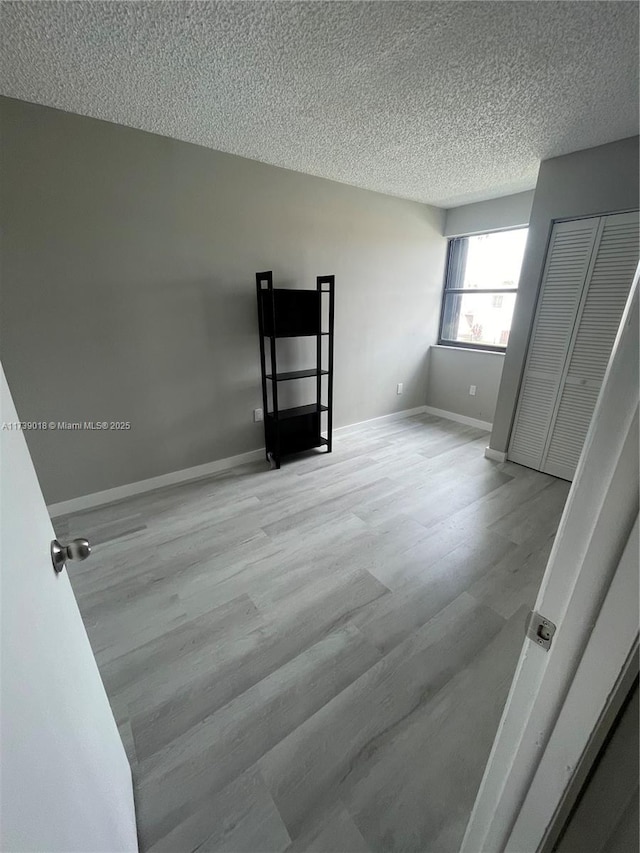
316, 658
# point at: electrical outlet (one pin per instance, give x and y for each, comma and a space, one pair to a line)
400, 388
258, 415
472, 390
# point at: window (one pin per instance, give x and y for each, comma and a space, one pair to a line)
480, 289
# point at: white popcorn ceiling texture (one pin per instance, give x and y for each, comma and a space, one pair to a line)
442, 102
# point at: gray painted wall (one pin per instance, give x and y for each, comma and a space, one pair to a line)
506, 212
128, 293
452, 370
586, 183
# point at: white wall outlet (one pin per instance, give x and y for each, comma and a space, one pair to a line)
472, 390
400, 388
258, 415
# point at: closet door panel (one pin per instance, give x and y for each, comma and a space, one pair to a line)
605, 296
570, 430
535, 407
608, 289
567, 266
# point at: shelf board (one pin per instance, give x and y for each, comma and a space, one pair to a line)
292, 289
297, 374
298, 289
301, 446
297, 411
298, 335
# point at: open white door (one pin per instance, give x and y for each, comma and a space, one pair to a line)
560, 697
66, 783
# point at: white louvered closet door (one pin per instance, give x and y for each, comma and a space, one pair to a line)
588, 275
568, 259
599, 315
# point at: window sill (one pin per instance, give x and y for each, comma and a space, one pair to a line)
462, 348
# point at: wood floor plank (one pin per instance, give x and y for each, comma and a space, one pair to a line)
515, 579
538, 516
169, 648
452, 440
242, 818
443, 550
494, 506
416, 790
163, 705
430, 587
210, 754
305, 767
314, 658
332, 831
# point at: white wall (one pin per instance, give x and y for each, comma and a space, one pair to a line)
128, 293
453, 369
586, 183
510, 211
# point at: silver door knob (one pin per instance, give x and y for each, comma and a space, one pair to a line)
77, 549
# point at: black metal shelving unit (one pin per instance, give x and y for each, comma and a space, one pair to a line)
292, 313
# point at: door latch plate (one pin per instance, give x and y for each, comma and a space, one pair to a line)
540, 630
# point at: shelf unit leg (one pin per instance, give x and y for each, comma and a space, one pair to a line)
332, 283
268, 278
319, 358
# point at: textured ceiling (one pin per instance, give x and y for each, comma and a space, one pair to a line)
443, 102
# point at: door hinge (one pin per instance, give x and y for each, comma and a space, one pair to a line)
540, 630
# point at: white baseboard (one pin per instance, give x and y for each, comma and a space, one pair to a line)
461, 419
394, 416
184, 476
119, 492
496, 455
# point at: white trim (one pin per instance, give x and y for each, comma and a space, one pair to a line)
461, 419
463, 348
599, 514
614, 634
394, 416
606, 723
171, 479
197, 472
495, 455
